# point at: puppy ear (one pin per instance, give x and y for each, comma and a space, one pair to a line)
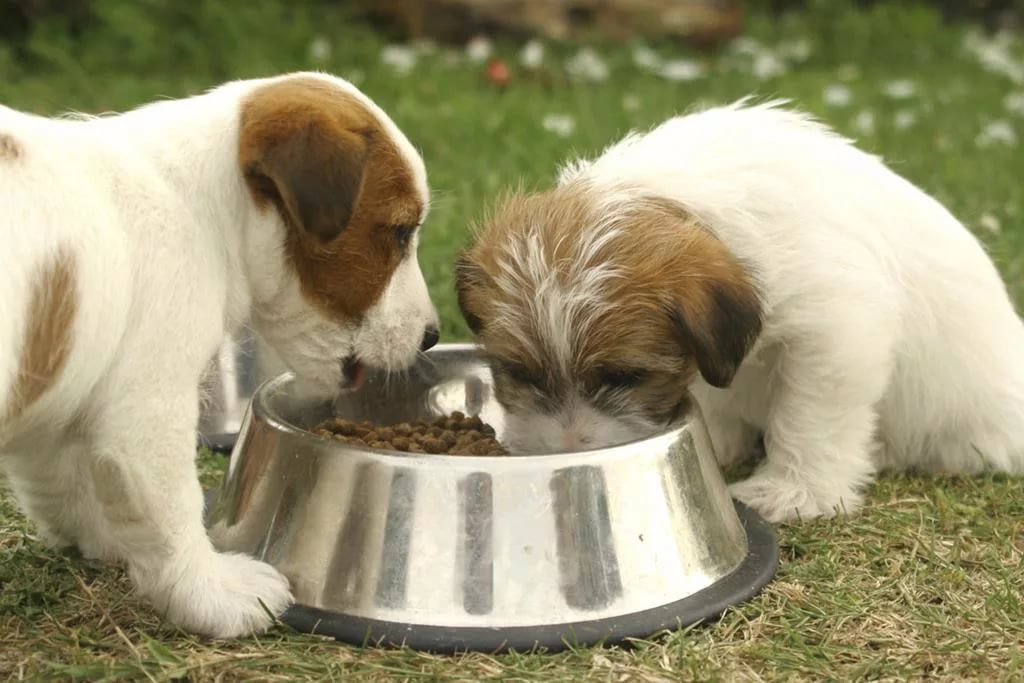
718, 326
307, 164
469, 277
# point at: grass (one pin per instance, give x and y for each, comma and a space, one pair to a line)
926, 582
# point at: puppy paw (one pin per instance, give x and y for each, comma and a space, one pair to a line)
733, 442
779, 499
94, 547
53, 538
220, 597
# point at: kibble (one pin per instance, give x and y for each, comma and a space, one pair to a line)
453, 434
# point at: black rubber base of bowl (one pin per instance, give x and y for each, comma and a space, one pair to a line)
741, 585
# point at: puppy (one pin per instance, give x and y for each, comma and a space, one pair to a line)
799, 288
131, 245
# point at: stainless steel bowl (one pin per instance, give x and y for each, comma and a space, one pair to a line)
454, 553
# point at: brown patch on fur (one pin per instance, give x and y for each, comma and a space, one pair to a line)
324, 161
679, 301
52, 304
10, 150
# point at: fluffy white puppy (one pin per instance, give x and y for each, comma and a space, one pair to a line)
799, 288
129, 246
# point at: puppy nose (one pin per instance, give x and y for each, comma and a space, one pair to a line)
430, 337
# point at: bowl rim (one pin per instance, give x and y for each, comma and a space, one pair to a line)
261, 410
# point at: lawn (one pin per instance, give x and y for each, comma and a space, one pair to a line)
926, 582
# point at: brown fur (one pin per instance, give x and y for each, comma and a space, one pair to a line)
52, 305
323, 160
10, 150
683, 303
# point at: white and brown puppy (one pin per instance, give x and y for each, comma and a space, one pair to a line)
799, 287
130, 245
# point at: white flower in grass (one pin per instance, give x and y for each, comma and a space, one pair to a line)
561, 125
990, 222
900, 89
767, 65
865, 122
319, 50
770, 63
401, 58
999, 132
630, 102
797, 50
745, 45
1014, 103
904, 119
681, 70
837, 95
996, 54
532, 54
479, 49
587, 65
646, 58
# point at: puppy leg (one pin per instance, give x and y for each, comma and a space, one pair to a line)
143, 466
820, 431
733, 438
53, 490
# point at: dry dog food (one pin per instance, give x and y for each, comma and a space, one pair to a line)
453, 434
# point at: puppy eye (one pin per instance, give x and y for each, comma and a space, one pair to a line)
403, 234
620, 378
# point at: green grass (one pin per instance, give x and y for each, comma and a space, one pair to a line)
926, 582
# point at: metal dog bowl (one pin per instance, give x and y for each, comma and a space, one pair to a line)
453, 553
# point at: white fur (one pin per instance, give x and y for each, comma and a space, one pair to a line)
889, 339
171, 253
576, 426
534, 291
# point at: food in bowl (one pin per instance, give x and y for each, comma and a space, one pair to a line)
453, 434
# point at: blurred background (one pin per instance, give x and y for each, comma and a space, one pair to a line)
499, 92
